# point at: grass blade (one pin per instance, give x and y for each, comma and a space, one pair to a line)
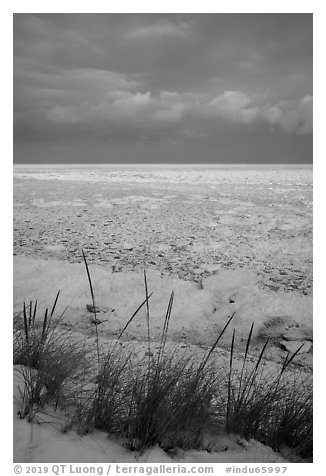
147, 316
55, 303
245, 356
45, 322
34, 313
94, 307
132, 317
288, 360
166, 326
203, 364
25, 323
229, 382
30, 314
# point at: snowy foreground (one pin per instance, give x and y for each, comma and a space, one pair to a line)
118, 294
43, 442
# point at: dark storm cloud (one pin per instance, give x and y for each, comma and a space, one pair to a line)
171, 80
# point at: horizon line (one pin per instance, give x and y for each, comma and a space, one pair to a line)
162, 163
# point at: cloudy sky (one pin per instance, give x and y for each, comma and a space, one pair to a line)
163, 88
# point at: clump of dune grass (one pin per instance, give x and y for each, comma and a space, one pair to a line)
269, 406
172, 406
171, 402
247, 395
48, 358
31, 337
103, 405
290, 425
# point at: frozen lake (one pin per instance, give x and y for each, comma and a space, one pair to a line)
225, 238
200, 174
184, 220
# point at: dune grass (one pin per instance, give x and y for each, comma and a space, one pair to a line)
274, 407
49, 359
165, 398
